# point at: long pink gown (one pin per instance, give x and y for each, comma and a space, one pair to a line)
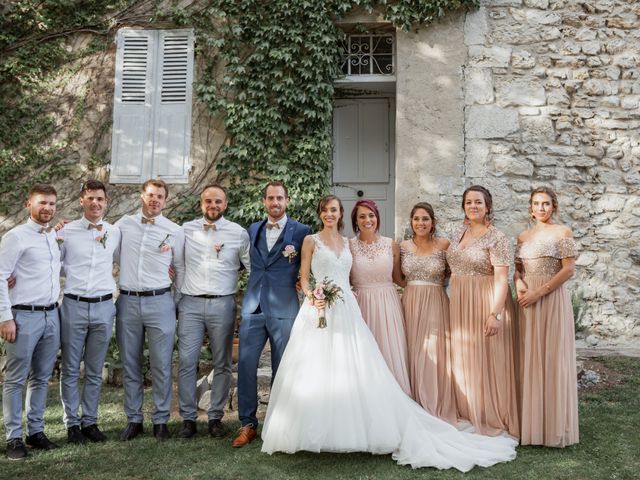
426, 315
371, 277
547, 344
485, 369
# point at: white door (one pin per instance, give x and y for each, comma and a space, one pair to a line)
363, 157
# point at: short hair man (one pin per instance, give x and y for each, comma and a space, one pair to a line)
29, 321
270, 302
87, 312
146, 305
209, 253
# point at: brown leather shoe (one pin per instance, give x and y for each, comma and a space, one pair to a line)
245, 435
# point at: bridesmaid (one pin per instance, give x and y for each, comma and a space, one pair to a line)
545, 260
483, 327
426, 314
376, 265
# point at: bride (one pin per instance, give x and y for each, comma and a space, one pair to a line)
334, 392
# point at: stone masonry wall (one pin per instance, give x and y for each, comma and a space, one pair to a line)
552, 97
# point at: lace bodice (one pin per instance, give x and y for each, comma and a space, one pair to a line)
544, 257
426, 268
326, 263
372, 262
481, 255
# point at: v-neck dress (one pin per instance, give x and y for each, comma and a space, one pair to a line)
484, 368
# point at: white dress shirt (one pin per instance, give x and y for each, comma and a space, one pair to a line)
86, 260
274, 233
34, 259
200, 269
143, 263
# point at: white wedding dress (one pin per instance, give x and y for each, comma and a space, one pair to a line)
334, 393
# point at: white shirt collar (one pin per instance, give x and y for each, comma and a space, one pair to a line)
218, 223
35, 225
281, 223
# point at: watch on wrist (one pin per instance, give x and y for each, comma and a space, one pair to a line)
498, 316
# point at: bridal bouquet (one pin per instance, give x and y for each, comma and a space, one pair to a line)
324, 290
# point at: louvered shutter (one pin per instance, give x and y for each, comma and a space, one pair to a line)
131, 139
172, 106
152, 106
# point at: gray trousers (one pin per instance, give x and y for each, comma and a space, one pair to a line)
30, 360
215, 316
157, 317
85, 332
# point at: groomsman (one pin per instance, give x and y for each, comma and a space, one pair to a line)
29, 321
270, 303
87, 312
208, 255
146, 305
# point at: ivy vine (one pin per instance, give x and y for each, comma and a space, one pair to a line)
269, 68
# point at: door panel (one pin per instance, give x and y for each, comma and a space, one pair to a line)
363, 162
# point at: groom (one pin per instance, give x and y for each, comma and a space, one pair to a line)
270, 302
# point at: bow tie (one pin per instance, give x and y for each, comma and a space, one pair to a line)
273, 225
96, 226
46, 229
209, 226
150, 221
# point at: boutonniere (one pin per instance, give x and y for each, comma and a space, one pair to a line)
290, 252
217, 247
102, 239
60, 241
164, 246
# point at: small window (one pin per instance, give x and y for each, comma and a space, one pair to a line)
152, 106
368, 54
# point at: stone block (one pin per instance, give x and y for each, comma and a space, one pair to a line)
478, 86
580, 161
623, 21
525, 92
626, 60
591, 48
541, 4
597, 87
489, 56
558, 97
202, 386
535, 17
476, 27
561, 150
537, 129
631, 102
476, 155
594, 151
204, 402
488, 121
586, 34
522, 59
508, 164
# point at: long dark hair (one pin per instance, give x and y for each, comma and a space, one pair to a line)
322, 205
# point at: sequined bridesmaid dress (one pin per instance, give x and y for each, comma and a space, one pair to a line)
548, 352
426, 315
485, 369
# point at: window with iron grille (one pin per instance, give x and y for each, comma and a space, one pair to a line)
368, 54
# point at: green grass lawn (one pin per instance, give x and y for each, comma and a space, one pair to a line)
609, 449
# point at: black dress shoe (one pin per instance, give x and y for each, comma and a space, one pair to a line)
93, 433
189, 429
16, 449
217, 429
131, 432
74, 435
40, 441
161, 432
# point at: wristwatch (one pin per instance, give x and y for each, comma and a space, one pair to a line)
498, 316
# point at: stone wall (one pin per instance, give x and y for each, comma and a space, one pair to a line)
552, 97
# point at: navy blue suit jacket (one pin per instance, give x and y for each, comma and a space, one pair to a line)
272, 281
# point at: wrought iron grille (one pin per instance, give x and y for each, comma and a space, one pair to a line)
368, 54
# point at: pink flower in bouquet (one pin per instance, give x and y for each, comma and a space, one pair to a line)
164, 246
318, 293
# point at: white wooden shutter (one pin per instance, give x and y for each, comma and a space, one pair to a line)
172, 106
131, 141
152, 106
